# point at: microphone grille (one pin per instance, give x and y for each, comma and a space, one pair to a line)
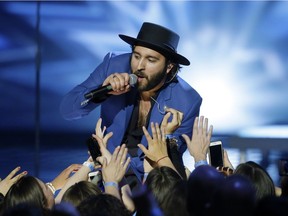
132, 79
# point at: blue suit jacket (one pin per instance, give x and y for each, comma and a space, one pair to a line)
116, 110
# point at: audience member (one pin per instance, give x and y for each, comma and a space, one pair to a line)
30, 191
103, 205
260, 178
202, 184
160, 181
79, 192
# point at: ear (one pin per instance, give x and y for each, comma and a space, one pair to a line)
169, 67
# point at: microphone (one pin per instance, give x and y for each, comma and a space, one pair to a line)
105, 89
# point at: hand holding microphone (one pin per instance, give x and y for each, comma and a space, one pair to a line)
119, 83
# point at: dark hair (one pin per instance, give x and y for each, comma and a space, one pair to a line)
103, 205
260, 178
160, 182
80, 191
176, 198
28, 191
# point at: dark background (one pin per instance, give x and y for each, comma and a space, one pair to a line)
238, 53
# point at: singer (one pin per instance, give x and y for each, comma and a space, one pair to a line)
124, 109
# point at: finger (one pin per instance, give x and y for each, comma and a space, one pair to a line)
143, 149
13, 172
195, 126
147, 135
127, 162
106, 138
210, 131
200, 126
115, 154
98, 127
153, 130
165, 119
163, 132
20, 175
186, 138
206, 125
158, 132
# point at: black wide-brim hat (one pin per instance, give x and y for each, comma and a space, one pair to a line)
160, 39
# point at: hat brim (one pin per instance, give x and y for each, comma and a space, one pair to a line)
166, 52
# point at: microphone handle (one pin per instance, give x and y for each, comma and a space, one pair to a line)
100, 91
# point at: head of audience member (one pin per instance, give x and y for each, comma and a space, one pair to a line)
160, 182
202, 184
24, 209
80, 191
30, 191
235, 196
145, 203
175, 202
103, 205
260, 178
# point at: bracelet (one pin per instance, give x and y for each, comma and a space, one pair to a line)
89, 165
169, 136
200, 162
161, 159
51, 187
111, 184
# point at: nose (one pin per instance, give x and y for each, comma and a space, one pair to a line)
141, 64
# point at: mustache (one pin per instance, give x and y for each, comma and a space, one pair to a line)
140, 74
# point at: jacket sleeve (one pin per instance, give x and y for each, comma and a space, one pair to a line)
72, 106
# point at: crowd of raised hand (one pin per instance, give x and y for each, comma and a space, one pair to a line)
246, 190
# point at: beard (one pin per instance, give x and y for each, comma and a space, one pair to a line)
151, 82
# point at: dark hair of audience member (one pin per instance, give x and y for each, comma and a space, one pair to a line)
80, 191
24, 209
103, 205
202, 184
175, 202
160, 182
27, 190
260, 178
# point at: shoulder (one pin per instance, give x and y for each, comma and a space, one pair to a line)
184, 89
117, 56
116, 61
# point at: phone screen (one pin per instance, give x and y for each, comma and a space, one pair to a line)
93, 148
216, 154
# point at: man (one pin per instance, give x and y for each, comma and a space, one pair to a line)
125, 109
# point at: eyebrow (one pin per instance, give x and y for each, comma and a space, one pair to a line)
149, 56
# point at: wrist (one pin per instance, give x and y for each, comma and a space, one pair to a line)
200, 163
111, 184
90, 165
161, 159
51, 187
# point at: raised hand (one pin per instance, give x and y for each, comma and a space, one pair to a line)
157, 147
200, 141
175, 123
63, 177
114, 170
6, 183
102, 139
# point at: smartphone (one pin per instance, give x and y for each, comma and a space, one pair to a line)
283, 167
216, 154
93, 148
